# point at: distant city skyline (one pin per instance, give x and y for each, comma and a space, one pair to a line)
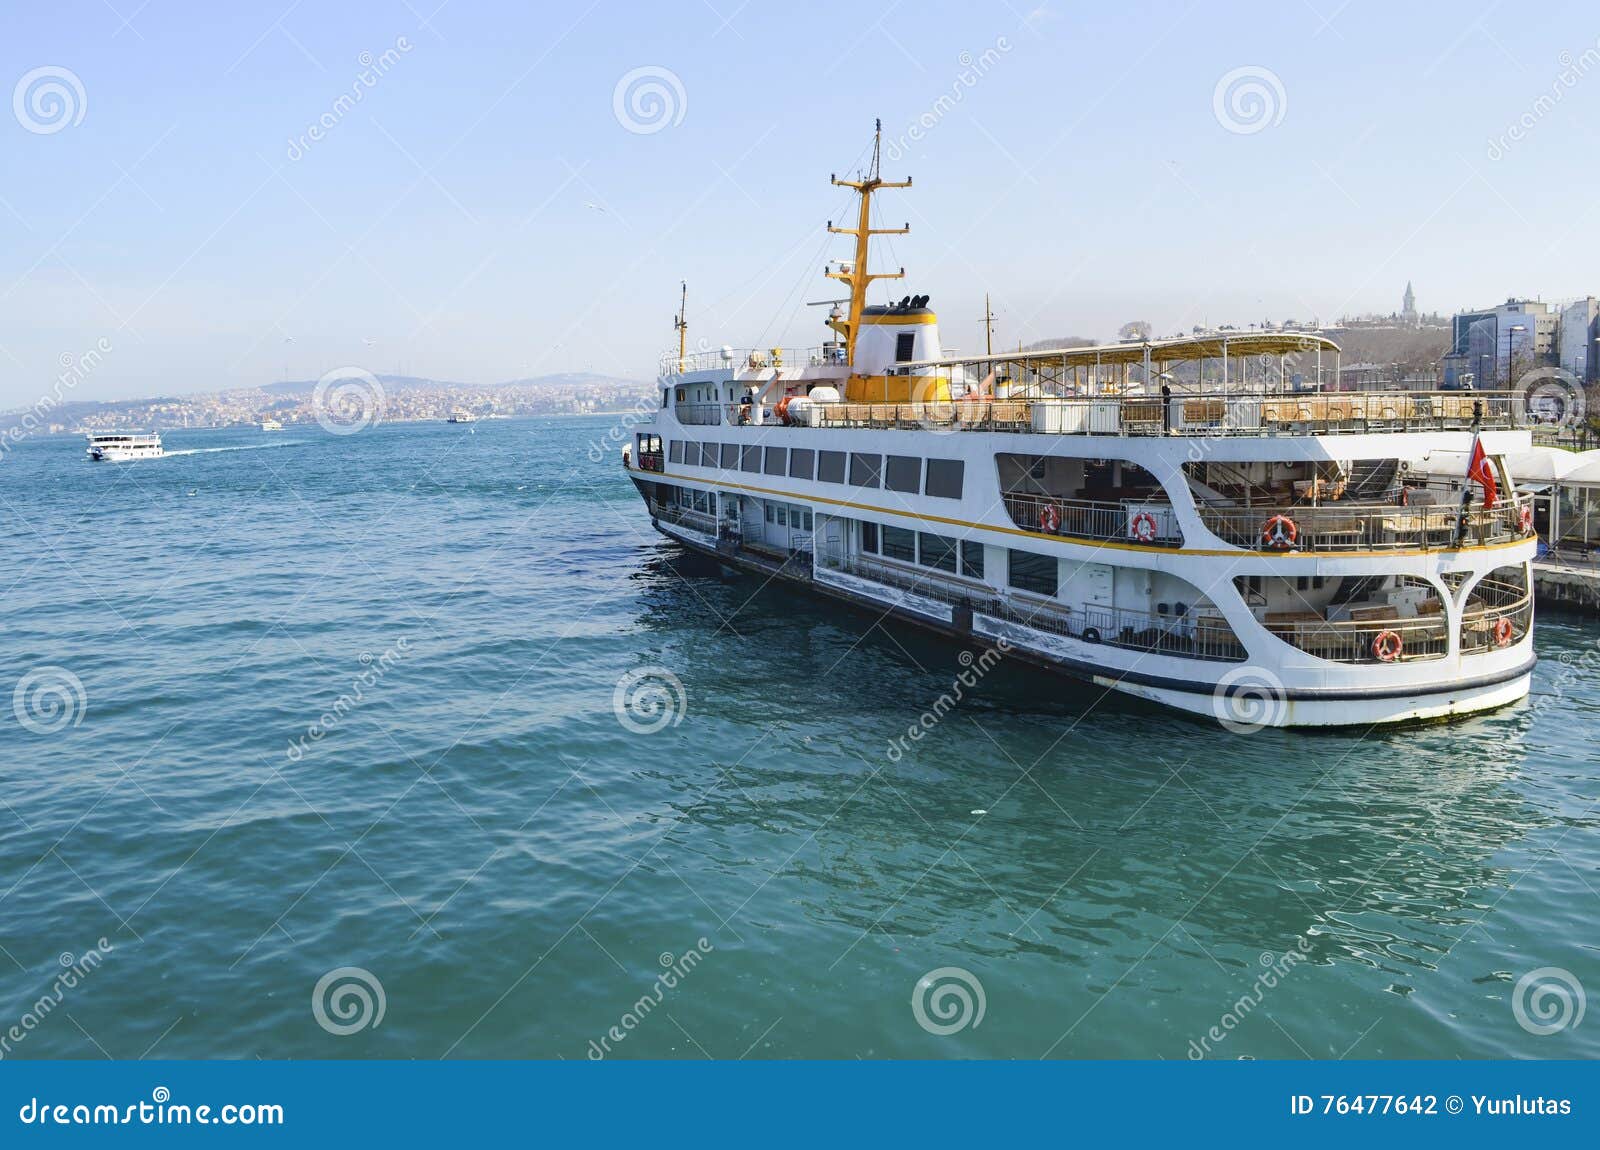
223, 198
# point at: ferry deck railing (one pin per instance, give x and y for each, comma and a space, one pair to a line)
1361, 526
1137, 521
1200, 633
1491, 601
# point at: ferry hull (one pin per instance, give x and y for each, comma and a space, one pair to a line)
1286, 708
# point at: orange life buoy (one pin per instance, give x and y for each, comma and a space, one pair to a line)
1143, 527
1279, 532
1050, 518
1387, 646
1503, 632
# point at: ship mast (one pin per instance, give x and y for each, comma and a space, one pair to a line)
858, 277
680, 322
988, 326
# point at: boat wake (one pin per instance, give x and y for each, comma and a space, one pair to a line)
236, 447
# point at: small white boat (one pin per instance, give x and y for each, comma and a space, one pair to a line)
461, 415
271, 425
119, 446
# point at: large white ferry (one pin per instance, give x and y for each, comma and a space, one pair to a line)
1201, 521
119, 446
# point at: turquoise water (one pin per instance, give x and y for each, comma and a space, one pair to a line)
477, 830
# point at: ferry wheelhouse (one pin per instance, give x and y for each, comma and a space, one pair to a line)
119, 446
1199, 521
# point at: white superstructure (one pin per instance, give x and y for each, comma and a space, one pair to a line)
1190, 521
119, 446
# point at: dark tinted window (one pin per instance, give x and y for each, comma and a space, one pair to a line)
905, 346
675, 451
865, 469
869, 537
898, 543
1030, 572
801, 462
751, 460
937, 551
777, 464
971, 559
903, 473
708, 455
730, 456
830, 467
944, 478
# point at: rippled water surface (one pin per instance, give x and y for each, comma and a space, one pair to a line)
348, 702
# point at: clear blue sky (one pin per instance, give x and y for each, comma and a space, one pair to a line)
481, 214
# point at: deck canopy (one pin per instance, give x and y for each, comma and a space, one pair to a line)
1223, 362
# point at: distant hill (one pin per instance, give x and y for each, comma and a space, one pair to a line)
399, 383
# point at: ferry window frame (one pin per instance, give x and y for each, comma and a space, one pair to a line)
938, 551
681, 393
898, 543
830, 466
771, 512
905, 346
675, 451
665, 394
944, 478
866, 469
896, 477
710, 454
776, 460
972, 562
730, 456
807, 468
869, 536
750, 459
691, 453
1020, 578
783, 513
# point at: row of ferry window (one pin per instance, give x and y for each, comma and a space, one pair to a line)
1025, 570
941, 478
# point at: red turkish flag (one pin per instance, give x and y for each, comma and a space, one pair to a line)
1479, 471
